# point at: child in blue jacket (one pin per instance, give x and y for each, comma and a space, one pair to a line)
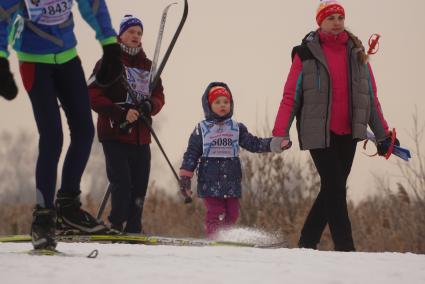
213, 150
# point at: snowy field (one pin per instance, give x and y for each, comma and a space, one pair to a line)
126, 263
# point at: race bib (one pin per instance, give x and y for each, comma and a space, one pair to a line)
49, 12
138, 82
220, 140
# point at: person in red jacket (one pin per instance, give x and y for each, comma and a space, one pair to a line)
332, 92
126, 148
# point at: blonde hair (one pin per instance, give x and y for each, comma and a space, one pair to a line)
362, 56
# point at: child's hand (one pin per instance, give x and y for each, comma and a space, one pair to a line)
185, 185
279, 144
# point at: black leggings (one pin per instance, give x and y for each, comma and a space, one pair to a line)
333, 165
46, 84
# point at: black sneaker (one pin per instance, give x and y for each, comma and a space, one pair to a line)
72, 217
43, 228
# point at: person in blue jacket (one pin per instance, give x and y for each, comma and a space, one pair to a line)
41, 32
213, 150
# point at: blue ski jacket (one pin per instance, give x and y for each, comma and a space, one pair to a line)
43, 30
219, 177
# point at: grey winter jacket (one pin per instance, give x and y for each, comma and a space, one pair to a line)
313, 108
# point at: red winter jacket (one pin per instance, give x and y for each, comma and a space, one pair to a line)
110, 105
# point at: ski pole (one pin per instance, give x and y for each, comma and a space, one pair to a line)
104, 201
187, 199
400, 152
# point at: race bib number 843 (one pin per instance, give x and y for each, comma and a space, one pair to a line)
49, 12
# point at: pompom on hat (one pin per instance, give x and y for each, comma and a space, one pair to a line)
327, 8
129, 21
218, 91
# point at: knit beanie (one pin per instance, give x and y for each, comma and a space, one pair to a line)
129, 21
327, 8
218, 91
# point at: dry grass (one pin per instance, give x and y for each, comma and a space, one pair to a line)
379, 224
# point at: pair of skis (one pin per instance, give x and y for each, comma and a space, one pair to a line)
54, 252
143, 239
155, 72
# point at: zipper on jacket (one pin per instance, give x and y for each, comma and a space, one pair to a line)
318, 76
329, 95
350, 81
327, 111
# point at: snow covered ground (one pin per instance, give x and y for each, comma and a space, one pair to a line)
126, 263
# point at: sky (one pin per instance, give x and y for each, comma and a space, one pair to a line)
130, 263
247, 44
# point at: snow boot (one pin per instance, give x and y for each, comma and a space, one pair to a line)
72, 218
43, 228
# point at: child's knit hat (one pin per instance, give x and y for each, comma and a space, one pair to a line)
216, 92
326, 8
129, 21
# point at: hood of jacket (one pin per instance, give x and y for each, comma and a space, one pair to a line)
209, 114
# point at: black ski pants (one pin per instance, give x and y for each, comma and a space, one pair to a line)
330, 207
128, 168
47, 84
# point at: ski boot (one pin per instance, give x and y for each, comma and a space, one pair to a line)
43, 228
119, 228
74, 220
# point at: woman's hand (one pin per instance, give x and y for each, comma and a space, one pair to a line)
286, 144
279, 144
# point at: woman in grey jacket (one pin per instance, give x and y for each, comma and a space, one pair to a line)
332, 92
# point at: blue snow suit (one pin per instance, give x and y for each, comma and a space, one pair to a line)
219, 176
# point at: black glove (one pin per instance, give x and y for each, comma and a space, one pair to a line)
146, 107
185, 185
111, 67
8, 87
383, 146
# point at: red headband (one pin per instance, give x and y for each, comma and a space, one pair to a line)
218, 91
327, 9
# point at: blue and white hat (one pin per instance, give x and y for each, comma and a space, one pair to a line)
129, 21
